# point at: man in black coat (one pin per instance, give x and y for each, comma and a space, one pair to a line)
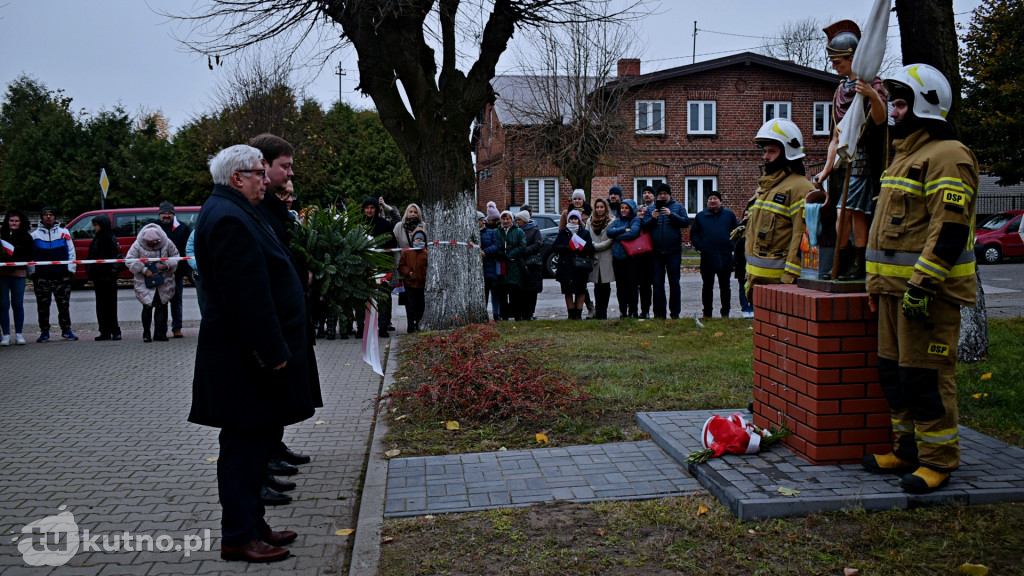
177, 233
251, 369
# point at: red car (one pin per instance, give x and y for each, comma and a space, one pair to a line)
999, 238
127, 222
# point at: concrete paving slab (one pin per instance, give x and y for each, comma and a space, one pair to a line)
749, 485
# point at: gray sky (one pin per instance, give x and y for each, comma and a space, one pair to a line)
108, 52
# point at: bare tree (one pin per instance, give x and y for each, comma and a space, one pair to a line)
256, 95
800, 41
566, 110
425, 100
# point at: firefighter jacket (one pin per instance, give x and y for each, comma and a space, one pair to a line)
923, 230
776, 225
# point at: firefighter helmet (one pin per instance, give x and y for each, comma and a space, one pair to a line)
930, 90
785, 133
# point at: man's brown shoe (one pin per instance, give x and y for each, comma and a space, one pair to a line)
177, 334
275, 538
255, 551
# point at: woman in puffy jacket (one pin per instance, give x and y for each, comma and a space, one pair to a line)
626, 228
153, 293
572, 241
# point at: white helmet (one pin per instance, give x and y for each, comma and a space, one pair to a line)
786, 134
932, 94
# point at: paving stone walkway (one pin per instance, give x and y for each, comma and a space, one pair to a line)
467, 482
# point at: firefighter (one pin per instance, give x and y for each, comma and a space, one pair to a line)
869, 158
776, 223
920, 271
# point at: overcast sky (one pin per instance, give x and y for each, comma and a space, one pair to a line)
104, 53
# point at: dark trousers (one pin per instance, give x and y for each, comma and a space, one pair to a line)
528, 304
179, 283
708, 290
508, 300
241, 469
106, 305
625, 282
200, 294
56, 289
744, 304
155, 314
645, 280
602, 294
666, 265
415, 303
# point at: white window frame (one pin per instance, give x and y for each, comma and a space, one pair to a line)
826, 108
776, 106
547, 190
702, 106
700, 183
650, 116
638, 186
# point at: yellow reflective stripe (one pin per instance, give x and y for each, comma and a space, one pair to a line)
902, 425
942, 437
949, 182
766, 262
897, 271
795, 208
772, 207
931, 268
792, 268
763, 272
905, 184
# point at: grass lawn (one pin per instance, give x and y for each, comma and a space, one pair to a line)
633, 366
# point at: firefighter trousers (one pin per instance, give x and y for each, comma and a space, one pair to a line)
917, 370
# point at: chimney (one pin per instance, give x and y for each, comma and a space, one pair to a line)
629, 67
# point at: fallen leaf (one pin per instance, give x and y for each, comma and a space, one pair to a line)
702, 510
718, 334
542, 438
502, 449
601, 532
318, 422
973, 569
392, 453
402, 417
753, 532
451, 425
979, 395
788, 491
387, 540
344, 532
347, 364
211, 459
850, 572
647, 344
986, 376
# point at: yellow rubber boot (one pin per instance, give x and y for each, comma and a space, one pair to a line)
924, 480
887, 464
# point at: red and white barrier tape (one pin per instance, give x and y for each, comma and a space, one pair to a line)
107, 261
434, 243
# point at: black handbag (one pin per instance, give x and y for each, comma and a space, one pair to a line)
156, 279
583, 263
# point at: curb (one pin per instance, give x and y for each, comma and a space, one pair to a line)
366, 547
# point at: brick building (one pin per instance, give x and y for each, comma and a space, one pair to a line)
691, 126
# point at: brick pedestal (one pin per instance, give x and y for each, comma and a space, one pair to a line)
816, 373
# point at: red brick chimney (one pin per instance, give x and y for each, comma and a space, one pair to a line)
629, 67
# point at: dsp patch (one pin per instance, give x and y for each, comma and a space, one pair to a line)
938, 349
954, 197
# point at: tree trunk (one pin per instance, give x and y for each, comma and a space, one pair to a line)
455, 274
973, 344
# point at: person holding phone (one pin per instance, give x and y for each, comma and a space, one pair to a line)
665, 223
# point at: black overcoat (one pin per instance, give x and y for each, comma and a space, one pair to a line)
254, 320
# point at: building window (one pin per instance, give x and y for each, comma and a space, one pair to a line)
697, 189
638, 187
822, 118
542, 194
700, 117
773, 110
650, 117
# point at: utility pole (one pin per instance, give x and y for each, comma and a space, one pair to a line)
693, 59
340, 72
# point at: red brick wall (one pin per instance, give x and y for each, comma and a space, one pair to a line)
816, 373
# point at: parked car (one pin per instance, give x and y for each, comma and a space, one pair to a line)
127, 222
998, 238
547, 255
544, 221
